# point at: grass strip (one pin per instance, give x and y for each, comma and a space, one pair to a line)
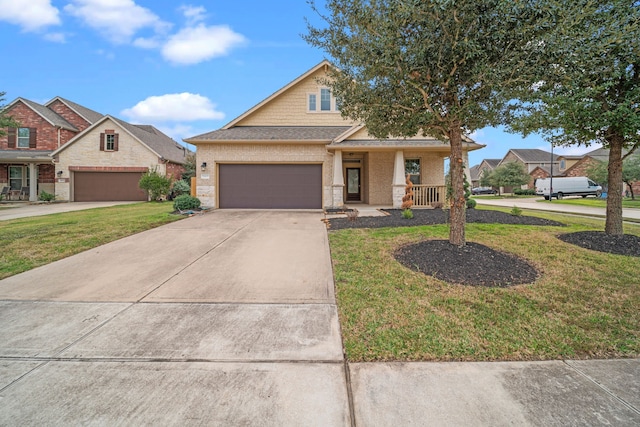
28, 243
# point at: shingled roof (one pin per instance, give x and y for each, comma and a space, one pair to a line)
533, 155
86, 113
273, 133
49, 115
164, 146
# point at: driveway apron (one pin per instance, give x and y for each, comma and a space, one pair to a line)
227, 318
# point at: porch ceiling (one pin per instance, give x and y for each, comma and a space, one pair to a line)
24, 156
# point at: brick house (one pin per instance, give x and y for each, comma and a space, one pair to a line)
295, 150
26, 163
532, 159
586, 161
476, 171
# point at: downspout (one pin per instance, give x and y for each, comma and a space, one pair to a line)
59, 139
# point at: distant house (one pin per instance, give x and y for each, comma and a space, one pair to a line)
536, 162
51, 152
586, 161
476, 171
295, 150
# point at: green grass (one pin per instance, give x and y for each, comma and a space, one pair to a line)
594, 202
583, 305
31, 242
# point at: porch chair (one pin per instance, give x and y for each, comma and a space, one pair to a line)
24, 192
5, 193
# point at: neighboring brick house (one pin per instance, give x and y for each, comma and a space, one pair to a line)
531, 158
24, 151
48, 129
476, 171
586, 161
294, 150
106, 161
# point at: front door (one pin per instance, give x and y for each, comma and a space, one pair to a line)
353, 184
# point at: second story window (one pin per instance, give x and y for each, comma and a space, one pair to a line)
328, 102
109, 141
23, 137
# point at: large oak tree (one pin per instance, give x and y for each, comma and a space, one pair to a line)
425, 66
586, 84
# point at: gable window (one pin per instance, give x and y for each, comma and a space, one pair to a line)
322, 101
412, 168
21, 137
563, 164
109, 141
312, 102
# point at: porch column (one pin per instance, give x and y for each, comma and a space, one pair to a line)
398, 180
338, 181
33, 182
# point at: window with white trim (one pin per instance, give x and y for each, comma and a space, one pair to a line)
328, 102
109, 142
23, 137
412, 168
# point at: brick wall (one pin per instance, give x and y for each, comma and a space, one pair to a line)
175, 170
69, 115
537, 173
580, 168
46, 133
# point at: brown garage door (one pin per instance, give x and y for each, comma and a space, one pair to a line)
270, 186
107, 186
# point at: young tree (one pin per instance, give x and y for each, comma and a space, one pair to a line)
630, 172
511, 174
429, 66
584, 85
155, 184
5, 120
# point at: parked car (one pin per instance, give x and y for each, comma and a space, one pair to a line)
567, 186
483, 190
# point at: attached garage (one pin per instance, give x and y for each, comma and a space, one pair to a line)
270, 186
107, 187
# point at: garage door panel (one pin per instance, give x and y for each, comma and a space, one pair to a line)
270, 186
107, 187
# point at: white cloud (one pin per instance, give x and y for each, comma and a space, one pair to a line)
192, 45
194, 14
31, 15
117, 20
174, 107
56, 37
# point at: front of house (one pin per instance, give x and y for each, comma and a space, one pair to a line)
294, 150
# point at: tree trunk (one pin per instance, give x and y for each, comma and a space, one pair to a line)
613, 224
457, 214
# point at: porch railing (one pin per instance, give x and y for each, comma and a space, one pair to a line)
427, 195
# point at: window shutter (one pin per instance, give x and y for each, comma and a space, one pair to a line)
102, 142
32, 138
11, 134
115, 142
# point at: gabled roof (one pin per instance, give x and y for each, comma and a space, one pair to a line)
49, 115
256, 107
474, 172
147, 135
532, 155
492, 163
270, 133
86, 113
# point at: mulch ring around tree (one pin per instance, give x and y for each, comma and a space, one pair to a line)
436, 216
625, 244
472, 265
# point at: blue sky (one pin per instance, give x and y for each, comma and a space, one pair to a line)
187, 68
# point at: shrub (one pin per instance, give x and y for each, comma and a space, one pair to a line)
516, 211
186, 202
527, 192
154, 184
471, 204
180, 187
407, 214
47, 197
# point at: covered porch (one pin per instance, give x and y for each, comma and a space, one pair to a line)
25, 174
378, 177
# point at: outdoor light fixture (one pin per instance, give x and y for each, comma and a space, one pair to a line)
59, 174
203, 166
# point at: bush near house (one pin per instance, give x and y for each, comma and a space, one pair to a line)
186, 202
156, 185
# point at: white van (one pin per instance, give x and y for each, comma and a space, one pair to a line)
569, 186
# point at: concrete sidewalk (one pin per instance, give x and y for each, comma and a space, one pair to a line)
534, 203
229, 318
16, 210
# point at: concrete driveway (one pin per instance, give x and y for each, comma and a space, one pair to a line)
220, 319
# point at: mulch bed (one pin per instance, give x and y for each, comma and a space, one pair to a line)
436, 216
472, 264
625, 244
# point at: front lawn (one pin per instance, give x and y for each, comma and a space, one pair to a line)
594, 202
583, 305
31, 242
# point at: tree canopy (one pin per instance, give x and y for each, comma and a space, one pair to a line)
431, 66
510, 174
5, 120
582, 85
